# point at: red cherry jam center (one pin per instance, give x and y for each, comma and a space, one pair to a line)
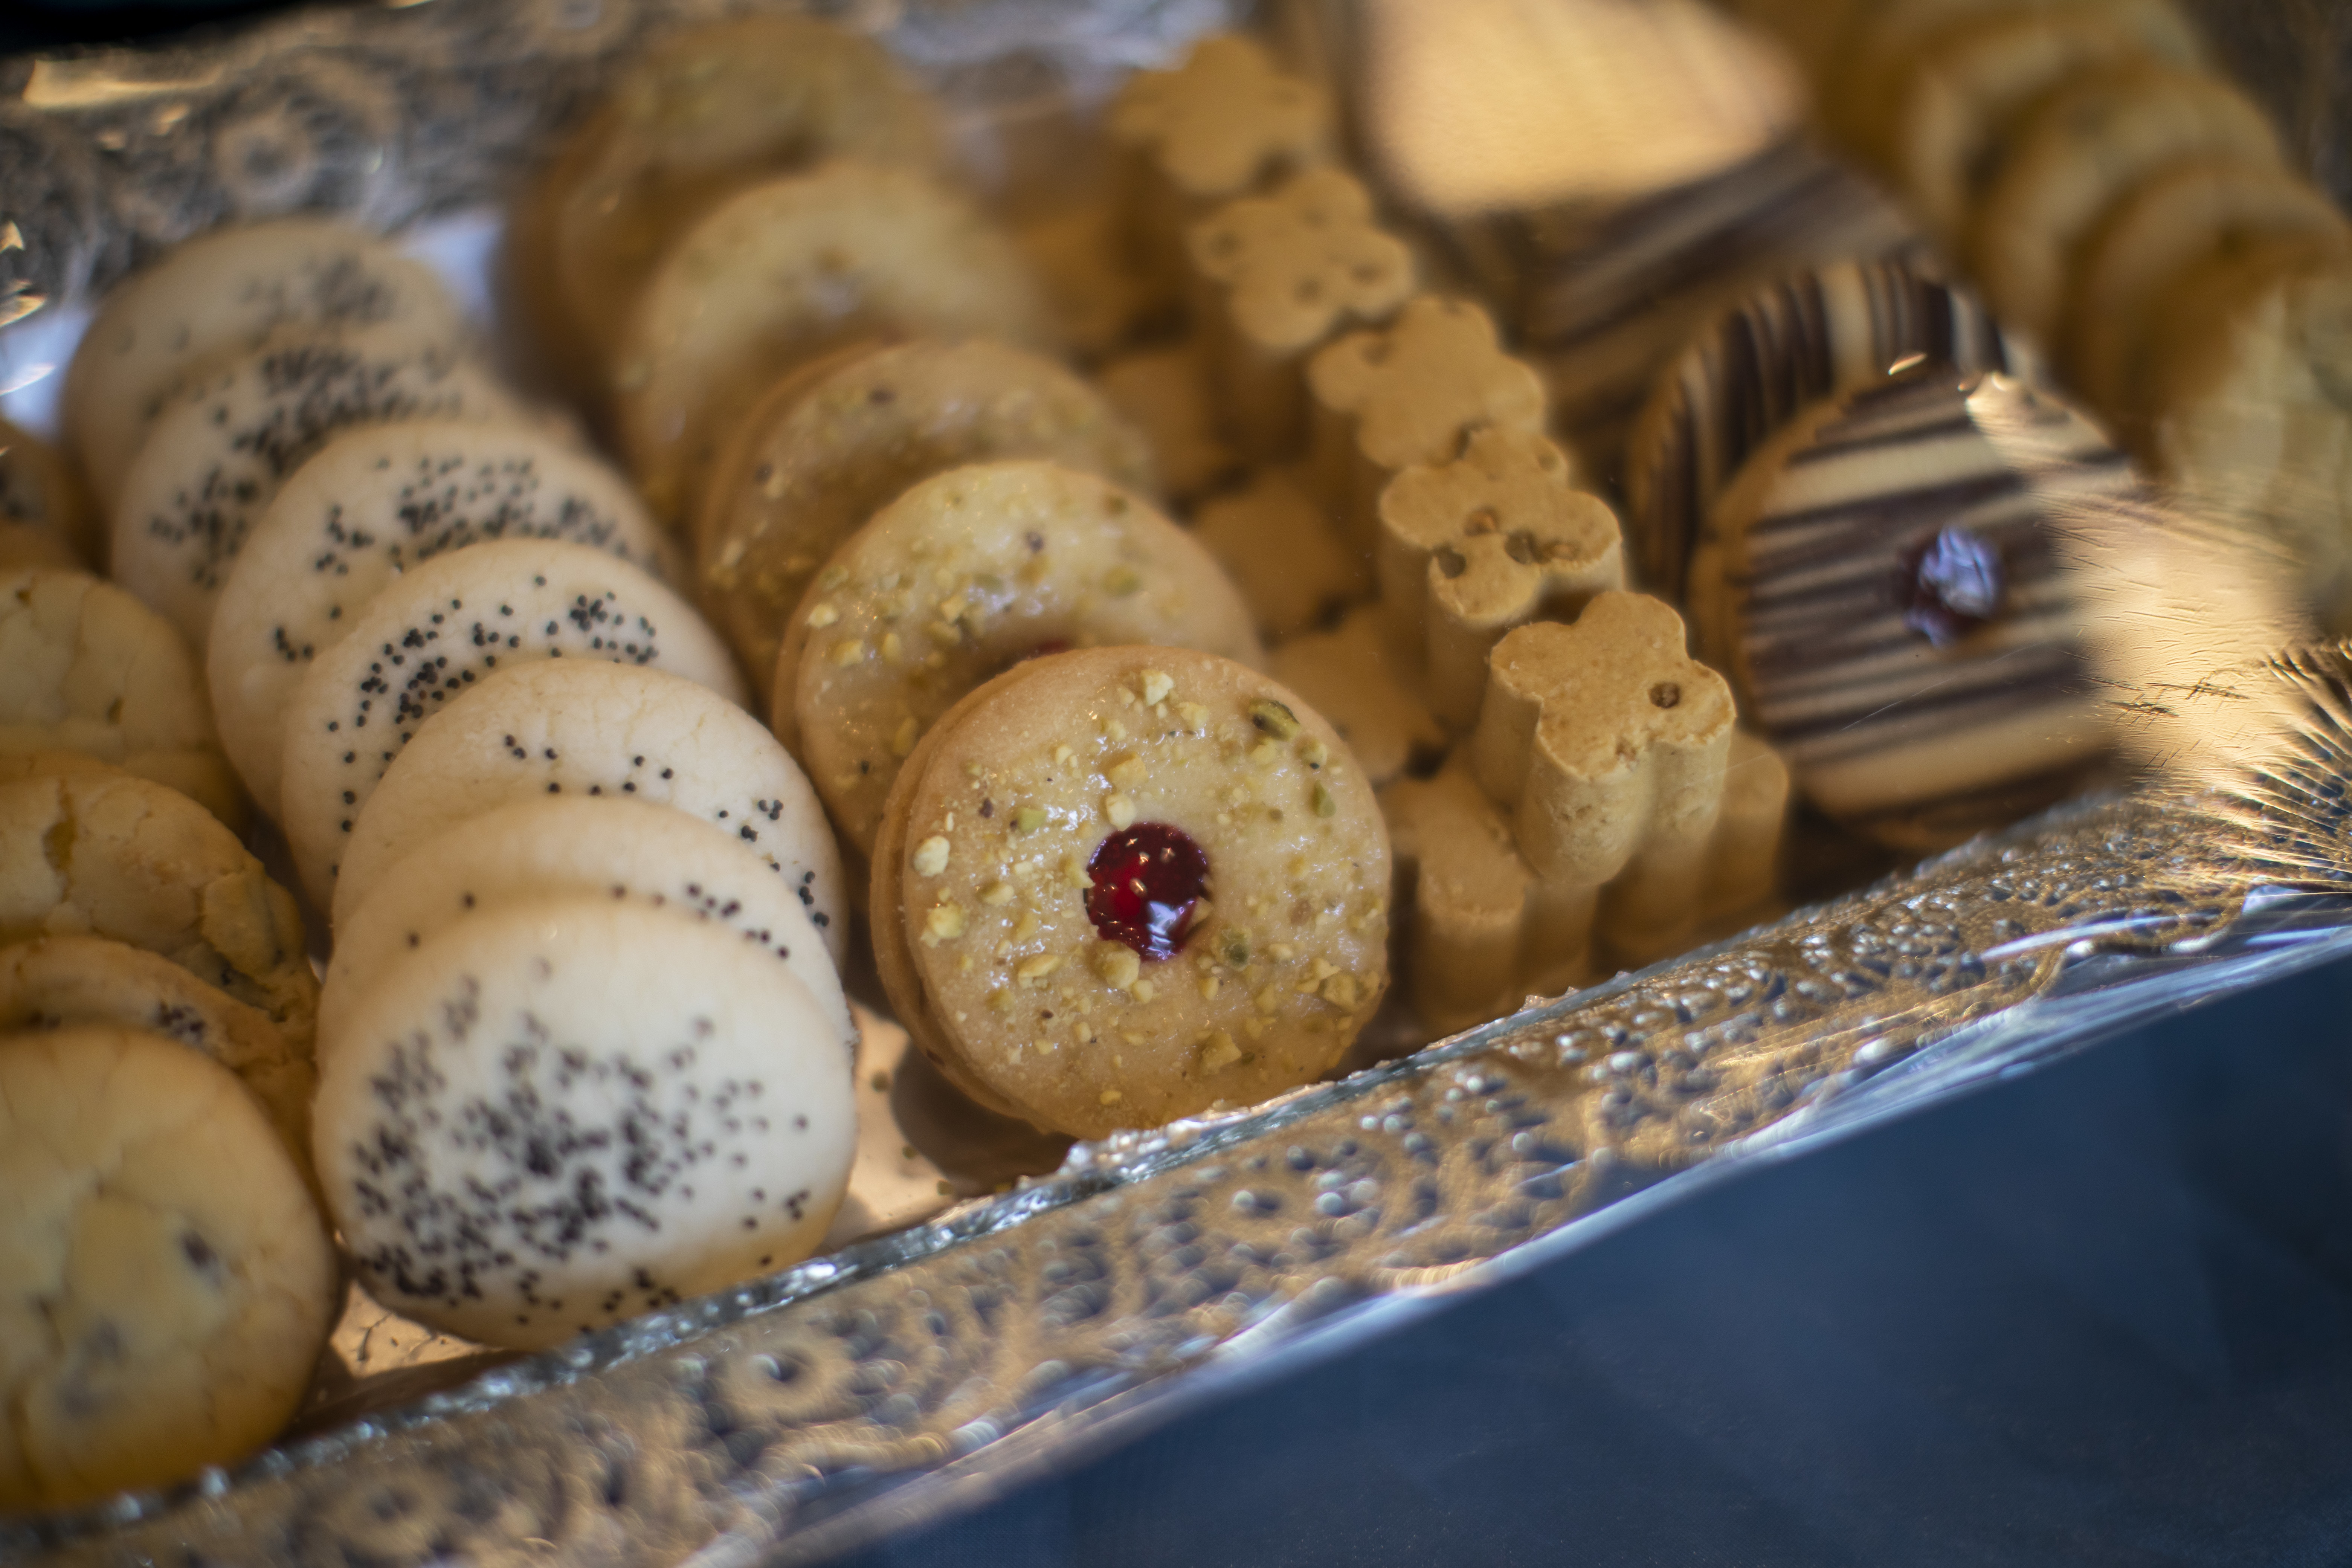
1145, 881
1952, 584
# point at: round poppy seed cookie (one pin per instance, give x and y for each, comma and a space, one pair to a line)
557, 1114
105, 854
703, 112
778, 274
85, 667
609, 846
165, 1282
576, 727
1138, 883
55, 982
431, 634
221, 294
817, 457
376, 503
965, 573
227, 439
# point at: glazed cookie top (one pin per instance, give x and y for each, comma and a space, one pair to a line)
1298, 264
969, 572
1143, 883
819, 455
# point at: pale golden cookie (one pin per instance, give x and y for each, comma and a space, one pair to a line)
1225, 123
1354, 676
85, 667
1101, 300
1607, 742
820, 453
2196, 208
1274, 277
968, 573
22, 545
1283, 551
1743, 858
1063, 845
55, 982
783, 271
108, 855
1469, 548
165, 1283
701, 114
1411, 393
2072, 155
38, 490
1164, 392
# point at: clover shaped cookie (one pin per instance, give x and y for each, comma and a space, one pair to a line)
1225, 123
1411, 393
1607, 743
1275, 275
1472, 548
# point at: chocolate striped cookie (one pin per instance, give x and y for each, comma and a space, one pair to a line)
1810, 336
1883, 585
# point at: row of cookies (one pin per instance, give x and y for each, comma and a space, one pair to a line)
2129, 210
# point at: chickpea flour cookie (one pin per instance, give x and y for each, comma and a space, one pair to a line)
85, 667
434, 632
1164, 392
226, 439
1887, 597
1472, 547
1606, 744
1225, 123
222, 295
1354, 676
1283, 554
41, 494
1411, 393
1968, 80
104, 854
819, 455
1100, 302
1138, 884
554, 1115
165, 1283
580, 727
2072, 155
58, 982
779, 273
374, 503
705, 112
1757, 366
607, 846
2197, 208
969, 572
1743, 858
1277, 276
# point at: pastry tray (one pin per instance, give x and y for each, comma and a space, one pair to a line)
973, 1323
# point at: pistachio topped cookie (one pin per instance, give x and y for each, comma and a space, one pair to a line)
1132, 884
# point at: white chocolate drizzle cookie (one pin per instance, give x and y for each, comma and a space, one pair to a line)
969, 572
1134, 884
85, 667
1607, 742
557, 1114
226, 439
1283, 551
1470, 548
104, 854
376, 503
611, 847
165, 1283
431, 634
1411, 393
221, 295
820, 455
779, 274
582, 727
1886, 594
1761, 363
1274, 277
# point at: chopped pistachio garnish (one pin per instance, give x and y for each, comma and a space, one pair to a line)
1274, 717
931, 856
1156, 685
1037, 966
1117, 964
1028, 818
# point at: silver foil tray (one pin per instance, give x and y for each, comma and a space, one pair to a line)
914, 1373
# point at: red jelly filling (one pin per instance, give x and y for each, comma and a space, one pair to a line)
1145, 883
